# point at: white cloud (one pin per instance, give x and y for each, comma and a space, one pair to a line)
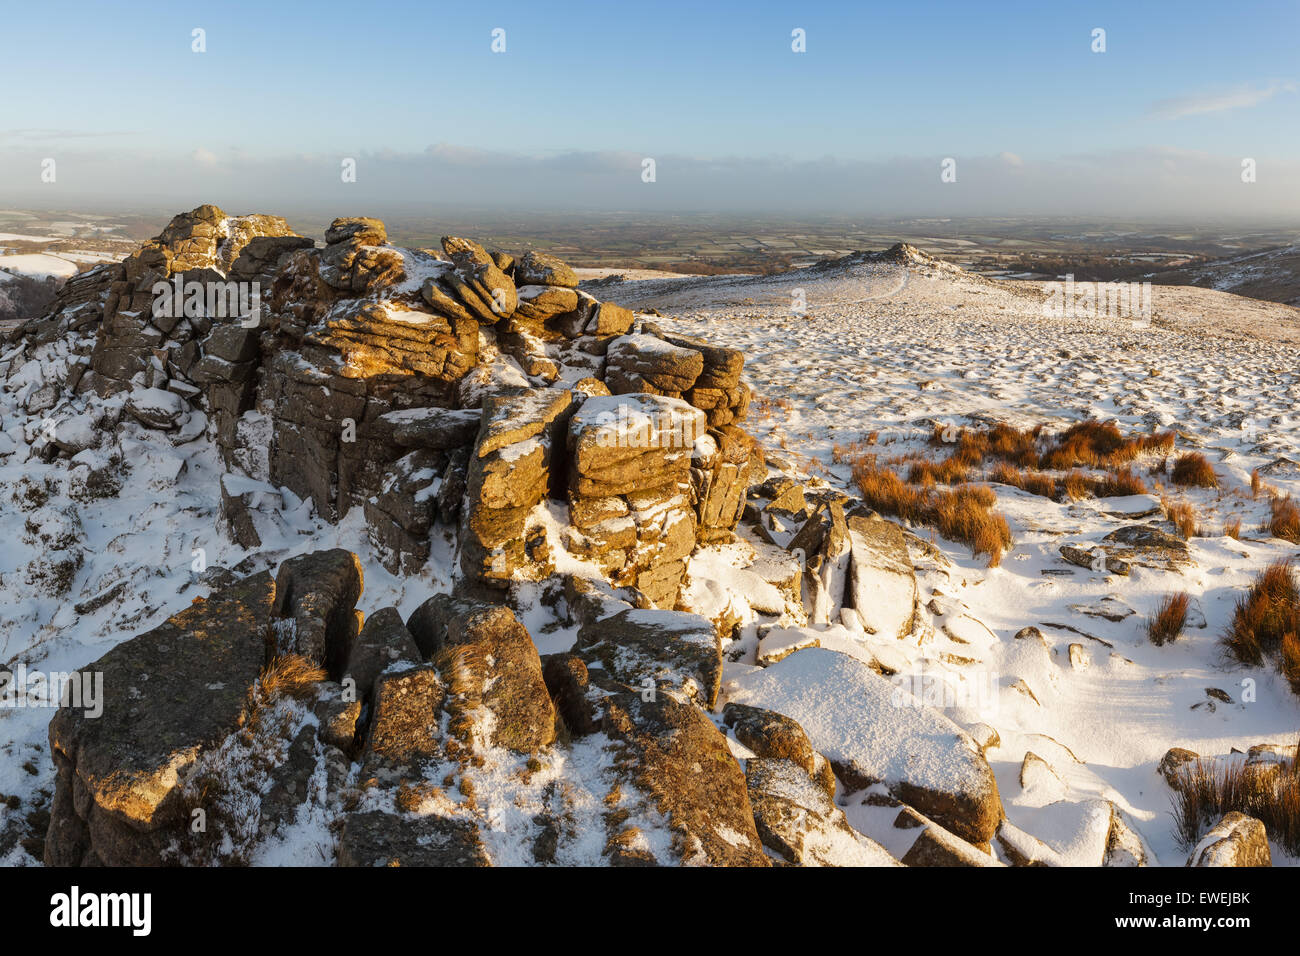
1011, 159
1239, 98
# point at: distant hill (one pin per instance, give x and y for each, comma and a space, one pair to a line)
1272, 275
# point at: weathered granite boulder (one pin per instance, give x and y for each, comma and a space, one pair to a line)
659, 651
646, 363
168, 695
629, 488
769, 734
538, 268
1236, 840
718, 390
491, 664
881, 583
318, 593
149, 311
798, 822
400, 516
678, 762
936, 846
383, 642
509, 475
720, 476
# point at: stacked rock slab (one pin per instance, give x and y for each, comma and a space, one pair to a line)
356, 342
148, 339
721, 468
717, 389
509, 475
630, 489
351, 375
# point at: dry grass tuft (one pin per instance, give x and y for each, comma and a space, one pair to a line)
1264, 616
1076, 485
1034, 482
1097, 444
1284, 522
1232, 529
1170, 618
290, 675
1118, 484
1206, 789
1289, 660
962, 514
1194, 469
1256, 483
1183, 516
950, 471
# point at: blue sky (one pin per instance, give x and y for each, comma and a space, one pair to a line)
882, 85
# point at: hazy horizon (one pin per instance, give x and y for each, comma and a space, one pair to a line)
278, 102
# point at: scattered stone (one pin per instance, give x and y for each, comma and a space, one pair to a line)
798, 822
923, 758
1236, 840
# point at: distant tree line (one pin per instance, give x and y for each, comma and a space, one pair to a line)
1092, 268
25, 296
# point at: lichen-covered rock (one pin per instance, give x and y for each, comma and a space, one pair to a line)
168, 696
383, 642
490, 663
1236, 840
1173, 763
660, 651
380, 838
720, 474
677, 760
538, 268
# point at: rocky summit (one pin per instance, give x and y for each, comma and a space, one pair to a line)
353, 553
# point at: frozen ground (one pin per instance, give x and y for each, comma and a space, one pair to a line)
891, 349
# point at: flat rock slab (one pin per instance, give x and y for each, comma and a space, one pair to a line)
800, 823
674, 755
1147, 545
882, 582
168, 695
379, 838
874, 732
673, 650
510, 419
433, 427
